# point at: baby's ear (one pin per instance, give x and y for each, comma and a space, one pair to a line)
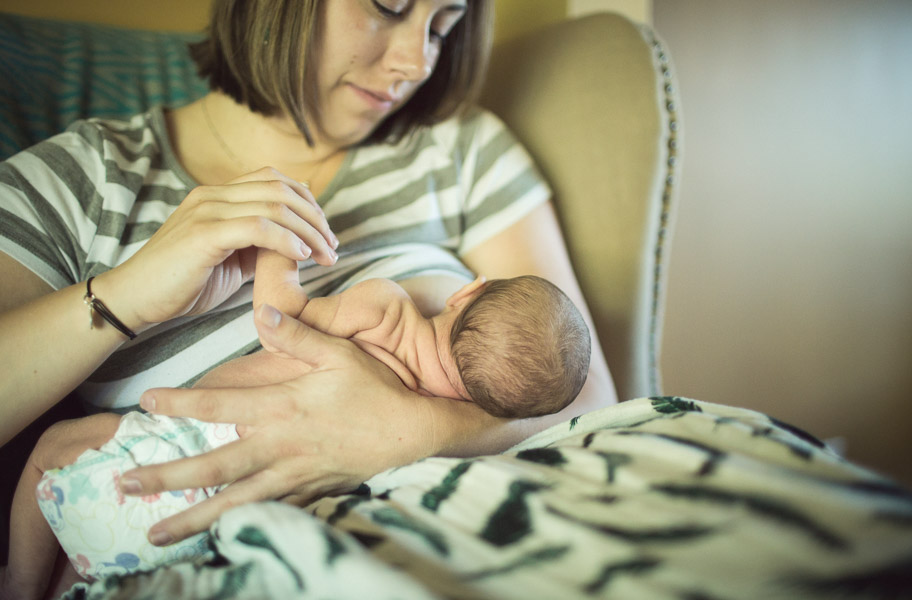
467, 292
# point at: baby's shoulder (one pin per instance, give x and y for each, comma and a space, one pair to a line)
377, 289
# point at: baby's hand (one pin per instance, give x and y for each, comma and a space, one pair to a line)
275, 282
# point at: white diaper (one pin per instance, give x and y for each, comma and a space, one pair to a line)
102, 531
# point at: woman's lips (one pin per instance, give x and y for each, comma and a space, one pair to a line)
376, 100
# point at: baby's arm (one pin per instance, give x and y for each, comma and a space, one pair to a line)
357, 313
374, 306
33, 547
275, 282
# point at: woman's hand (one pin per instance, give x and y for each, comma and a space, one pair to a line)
207, 247
324, 432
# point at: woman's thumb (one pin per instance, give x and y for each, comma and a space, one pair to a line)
286, 335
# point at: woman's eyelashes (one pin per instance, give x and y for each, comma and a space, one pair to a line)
386, 11
391, 13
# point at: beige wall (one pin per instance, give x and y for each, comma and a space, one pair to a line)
513, 16
176, 15
791, 269
637, 10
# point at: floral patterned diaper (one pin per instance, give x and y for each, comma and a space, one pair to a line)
102, 531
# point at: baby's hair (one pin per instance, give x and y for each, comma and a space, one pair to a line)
521, 347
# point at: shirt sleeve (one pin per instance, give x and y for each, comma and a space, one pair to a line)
49, 206
502, 183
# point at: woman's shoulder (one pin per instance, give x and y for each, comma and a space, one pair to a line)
135, 134
133, 152
450, 140
468, 127
91, 141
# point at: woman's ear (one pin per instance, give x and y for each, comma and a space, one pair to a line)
467, 291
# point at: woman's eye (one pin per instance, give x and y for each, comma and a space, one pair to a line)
390, 13
386, 11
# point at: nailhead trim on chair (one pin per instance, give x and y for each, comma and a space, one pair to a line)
667, 196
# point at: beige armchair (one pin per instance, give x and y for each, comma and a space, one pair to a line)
594, 101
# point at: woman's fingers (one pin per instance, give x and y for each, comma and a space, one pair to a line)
271, 174
241, 229
257, 204
297, 189
263, 485
203, 252
225, 464
214, 405
200, 516
293, 338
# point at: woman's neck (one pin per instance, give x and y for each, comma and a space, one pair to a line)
218, 140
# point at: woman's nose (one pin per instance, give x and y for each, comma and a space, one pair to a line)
411, 53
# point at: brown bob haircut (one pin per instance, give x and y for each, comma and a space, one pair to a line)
262, 54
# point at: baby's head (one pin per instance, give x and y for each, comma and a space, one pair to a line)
521, 348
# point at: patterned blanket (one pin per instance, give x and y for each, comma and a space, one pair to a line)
652, 498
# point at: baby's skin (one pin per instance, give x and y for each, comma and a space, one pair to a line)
378, 315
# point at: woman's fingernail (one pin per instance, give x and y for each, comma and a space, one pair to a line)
160, 538
335, 241
147, 402
130, 486
269, 316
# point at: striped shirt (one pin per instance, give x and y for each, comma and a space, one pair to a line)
86, 200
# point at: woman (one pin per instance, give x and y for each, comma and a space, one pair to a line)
364, 100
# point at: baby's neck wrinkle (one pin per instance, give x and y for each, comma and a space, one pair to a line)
442, 325
428, 367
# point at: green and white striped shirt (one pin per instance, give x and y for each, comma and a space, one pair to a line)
86, 200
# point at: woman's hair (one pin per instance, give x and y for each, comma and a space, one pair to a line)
262, 54
521, 347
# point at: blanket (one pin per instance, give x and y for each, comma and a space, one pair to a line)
653, 498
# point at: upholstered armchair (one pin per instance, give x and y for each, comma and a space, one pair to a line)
594, 101
592, 98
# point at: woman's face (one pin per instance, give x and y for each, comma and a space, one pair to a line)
372, 57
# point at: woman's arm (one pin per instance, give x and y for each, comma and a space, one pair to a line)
46, 345
325, 432
350, 418
535, 246
198, 257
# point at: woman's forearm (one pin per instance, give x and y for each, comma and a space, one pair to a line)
462, 429
47, 349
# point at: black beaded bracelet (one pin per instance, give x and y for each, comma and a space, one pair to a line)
96, 305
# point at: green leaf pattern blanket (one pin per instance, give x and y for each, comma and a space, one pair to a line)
652, 498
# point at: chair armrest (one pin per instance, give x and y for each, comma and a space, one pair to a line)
594, 102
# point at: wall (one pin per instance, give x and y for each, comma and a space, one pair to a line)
791, 269
637, 10
513, 16
176, 15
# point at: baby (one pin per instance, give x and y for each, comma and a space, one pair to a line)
516, 347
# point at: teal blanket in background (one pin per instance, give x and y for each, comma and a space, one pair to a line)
78, 70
